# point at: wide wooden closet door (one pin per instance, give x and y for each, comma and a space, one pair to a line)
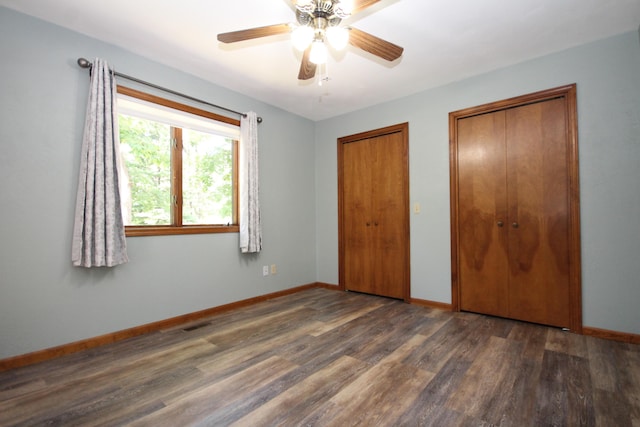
515, 220
373, 205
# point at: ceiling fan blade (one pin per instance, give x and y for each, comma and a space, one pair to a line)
307, 68
374, 45
359, 5
254, 33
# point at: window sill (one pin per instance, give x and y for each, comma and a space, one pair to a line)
166, 230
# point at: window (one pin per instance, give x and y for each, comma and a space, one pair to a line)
180, 167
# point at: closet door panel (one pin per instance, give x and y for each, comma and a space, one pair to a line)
538, 200
388, 218
358, 243
482, 214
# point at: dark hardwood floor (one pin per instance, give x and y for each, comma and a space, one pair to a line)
326, 358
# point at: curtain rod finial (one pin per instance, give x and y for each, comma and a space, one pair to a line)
258, 119
84, 63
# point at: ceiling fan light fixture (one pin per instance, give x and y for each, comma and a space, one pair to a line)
338, 37
319, 24
302, 37
318, 54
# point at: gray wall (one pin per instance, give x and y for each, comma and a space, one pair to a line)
44, 301
608, 77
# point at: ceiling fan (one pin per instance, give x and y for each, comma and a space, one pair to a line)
318, 22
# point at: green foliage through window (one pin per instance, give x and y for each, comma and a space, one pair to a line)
145, 147
176, 176
207, 164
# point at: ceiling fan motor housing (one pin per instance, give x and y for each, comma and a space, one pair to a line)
324, 6
328, 9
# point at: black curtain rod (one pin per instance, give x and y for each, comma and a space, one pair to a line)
85, 63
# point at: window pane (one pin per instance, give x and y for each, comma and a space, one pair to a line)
145, 148
207, 193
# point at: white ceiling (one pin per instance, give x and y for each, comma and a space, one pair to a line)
444, 41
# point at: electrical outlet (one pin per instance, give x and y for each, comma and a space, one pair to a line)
274, 269
265, 270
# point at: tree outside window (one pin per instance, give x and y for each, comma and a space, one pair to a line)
180, 172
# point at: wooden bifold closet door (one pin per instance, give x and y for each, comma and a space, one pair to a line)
515, 209
374, 212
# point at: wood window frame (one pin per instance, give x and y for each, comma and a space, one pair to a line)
176, 226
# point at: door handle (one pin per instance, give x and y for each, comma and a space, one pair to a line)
499, 223
515, 225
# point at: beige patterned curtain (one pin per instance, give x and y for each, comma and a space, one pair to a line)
98, 231
250, 228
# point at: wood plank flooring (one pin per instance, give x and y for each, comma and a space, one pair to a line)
326, 358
